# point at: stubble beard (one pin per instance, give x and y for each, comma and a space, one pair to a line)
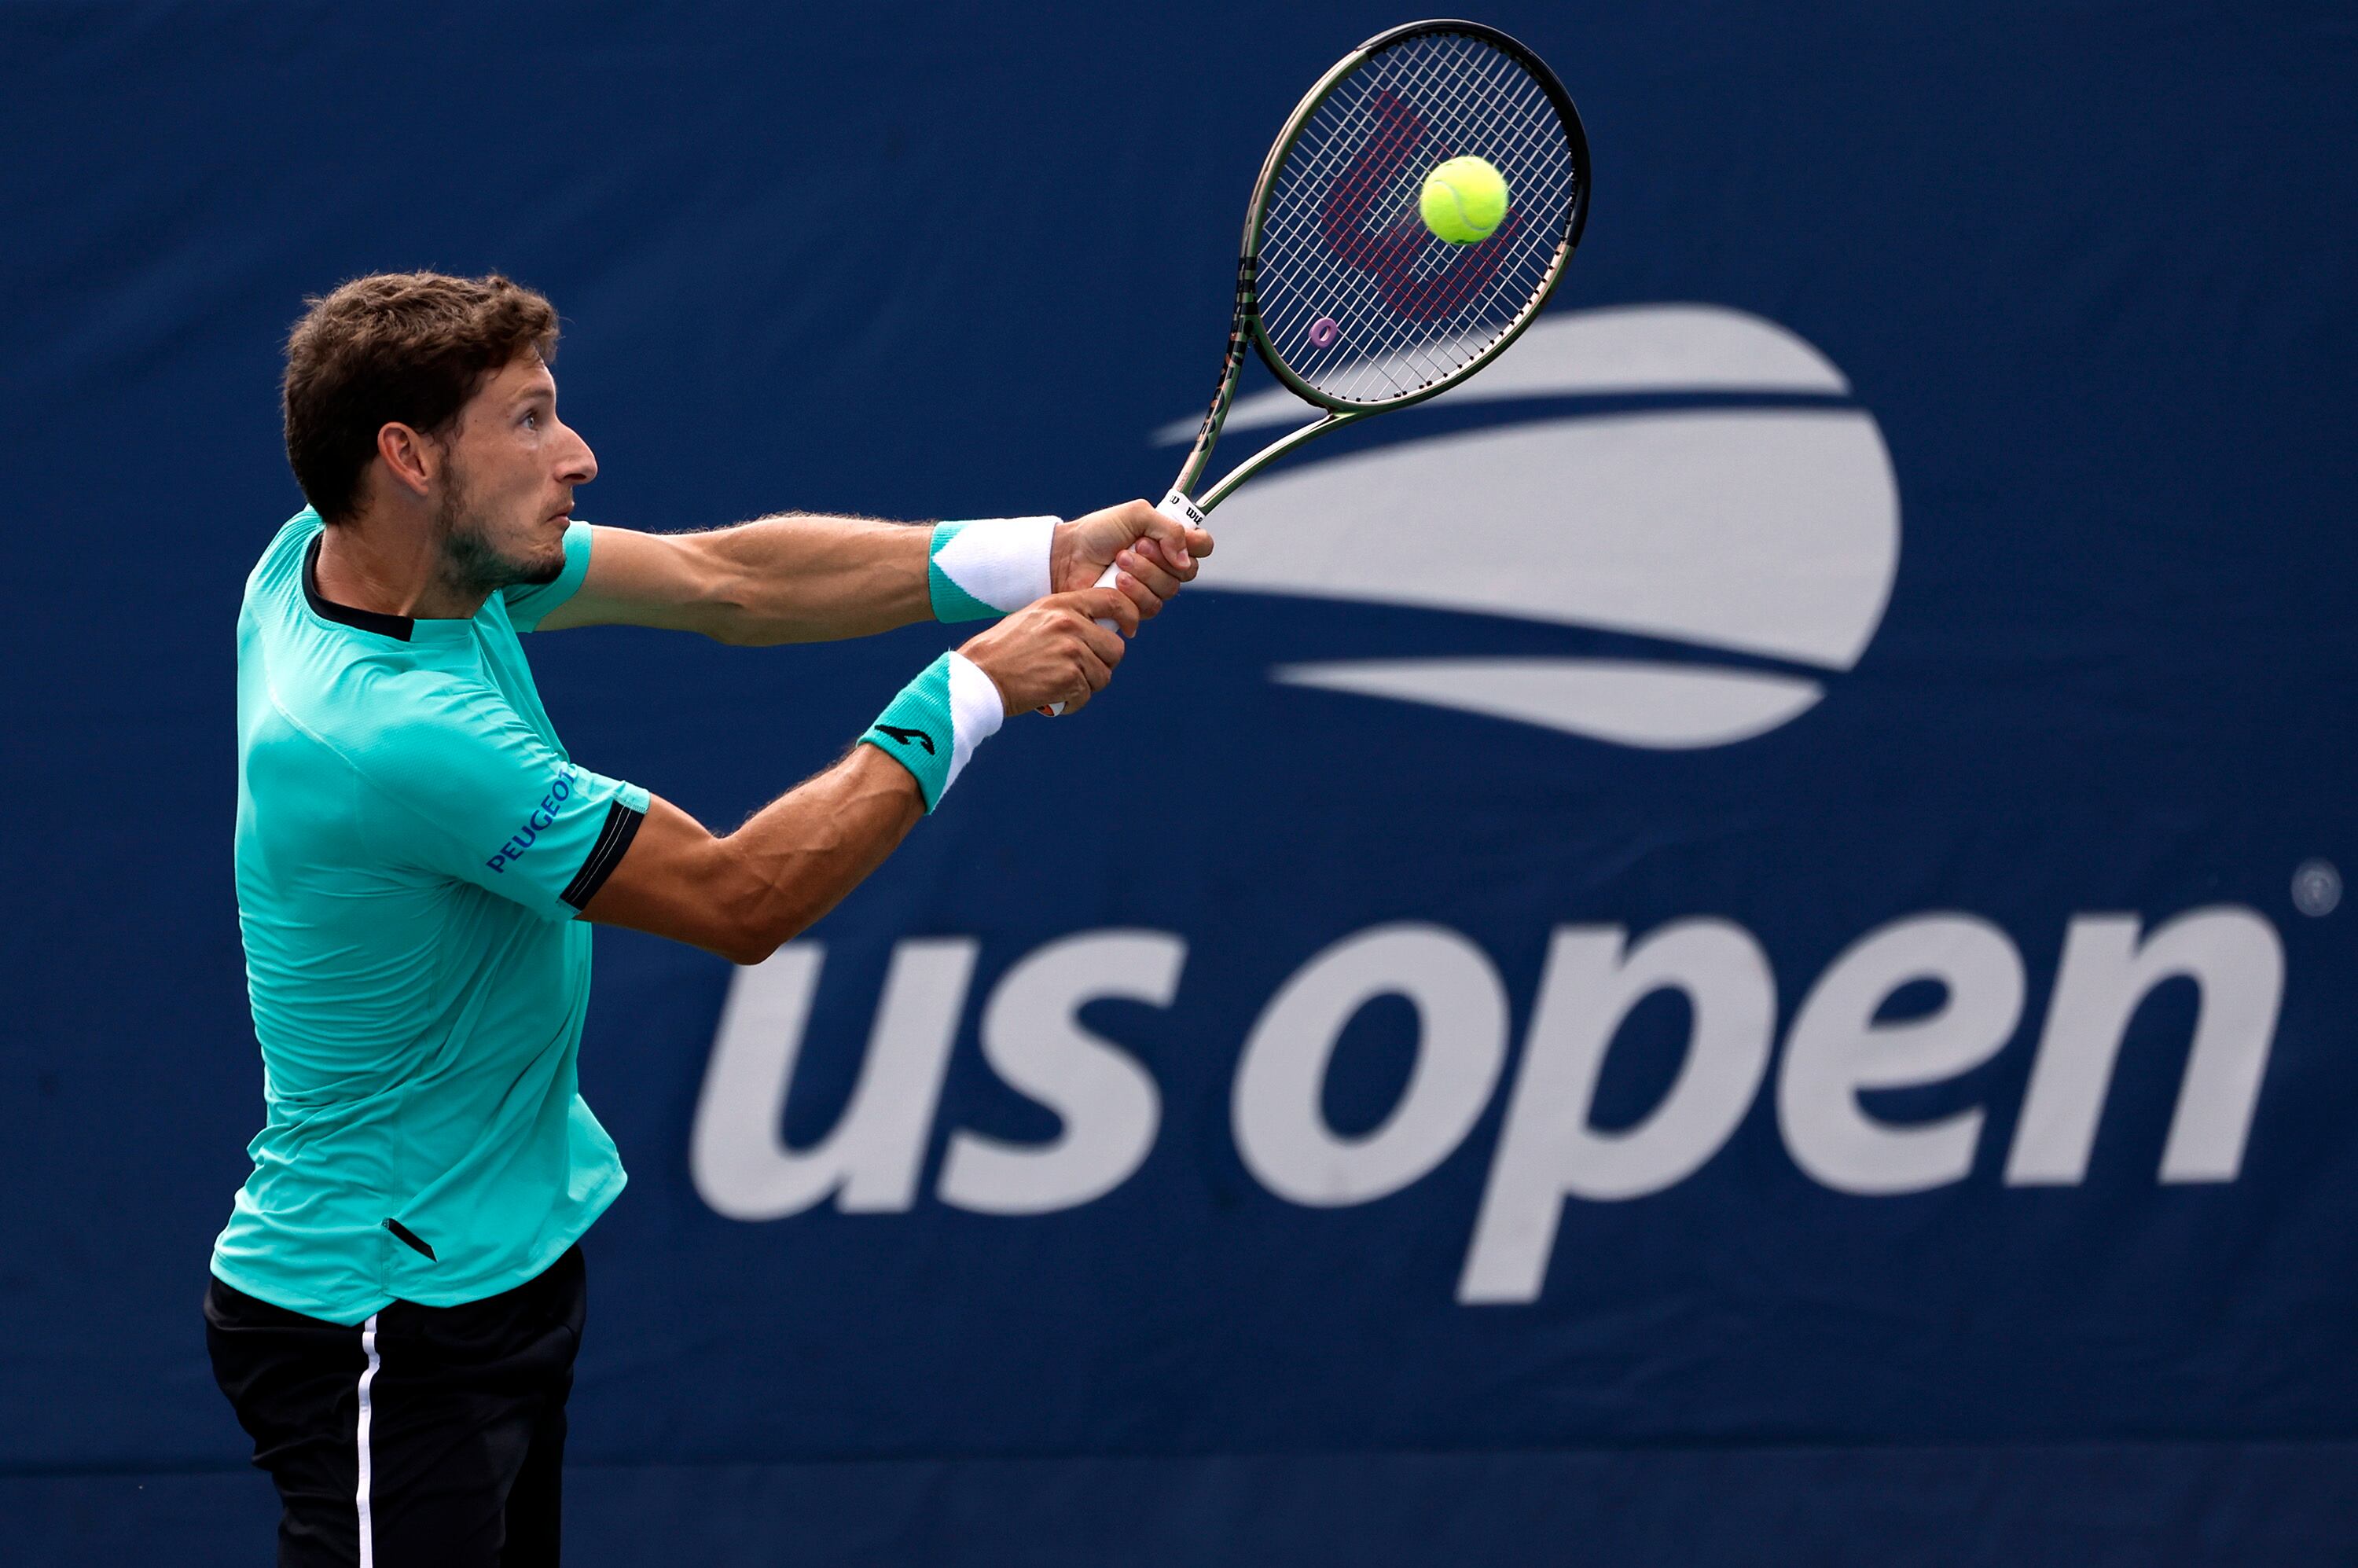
473, 566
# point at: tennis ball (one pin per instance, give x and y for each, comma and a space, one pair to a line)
1463, 200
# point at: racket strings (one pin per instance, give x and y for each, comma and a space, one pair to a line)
1471, 83
1357, 296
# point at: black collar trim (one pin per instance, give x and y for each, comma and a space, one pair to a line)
396, 626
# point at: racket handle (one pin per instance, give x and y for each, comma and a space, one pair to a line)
1180, 510
1105, 580
1174, 505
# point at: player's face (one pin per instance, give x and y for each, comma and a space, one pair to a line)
507, 493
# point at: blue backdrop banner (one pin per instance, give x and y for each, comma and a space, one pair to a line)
1726, 946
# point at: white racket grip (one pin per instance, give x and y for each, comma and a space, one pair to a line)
1106, 580
1174, 505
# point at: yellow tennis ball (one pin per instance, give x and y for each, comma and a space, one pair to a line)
1463, 200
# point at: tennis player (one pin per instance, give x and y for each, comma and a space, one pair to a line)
397, 1298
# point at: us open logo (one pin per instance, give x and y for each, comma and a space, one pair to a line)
1693, 492
1695, 480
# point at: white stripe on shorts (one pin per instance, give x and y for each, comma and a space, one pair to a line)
360, 1497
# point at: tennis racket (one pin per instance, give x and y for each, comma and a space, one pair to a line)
1352, 302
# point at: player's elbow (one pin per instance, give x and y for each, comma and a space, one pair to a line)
747, 953
750, 936
754, 916
755, 944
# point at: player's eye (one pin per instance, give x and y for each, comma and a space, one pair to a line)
531, 420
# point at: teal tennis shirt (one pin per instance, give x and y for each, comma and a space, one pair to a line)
413, 845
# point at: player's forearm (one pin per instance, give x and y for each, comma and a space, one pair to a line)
796, 857
806, 578
802, 578
743, 895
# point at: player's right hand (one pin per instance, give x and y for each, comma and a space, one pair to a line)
1053, 650
1156, 556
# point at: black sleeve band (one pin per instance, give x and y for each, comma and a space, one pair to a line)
621, 825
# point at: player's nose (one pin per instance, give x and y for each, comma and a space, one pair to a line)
580, 462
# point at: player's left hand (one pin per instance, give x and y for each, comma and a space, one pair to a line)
1156, 555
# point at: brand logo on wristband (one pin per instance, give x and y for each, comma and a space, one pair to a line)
905, 736
1690, 493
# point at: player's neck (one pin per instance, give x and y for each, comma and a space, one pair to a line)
392, 565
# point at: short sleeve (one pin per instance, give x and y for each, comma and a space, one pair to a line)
529, 604
474, 794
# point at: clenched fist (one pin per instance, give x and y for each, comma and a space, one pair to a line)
1055, 651
1155, 554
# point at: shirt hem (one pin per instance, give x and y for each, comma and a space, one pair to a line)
538, 1261
290, 1301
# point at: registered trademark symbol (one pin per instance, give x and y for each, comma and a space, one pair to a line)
2315, 887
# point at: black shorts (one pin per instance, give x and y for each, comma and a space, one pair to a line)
427, 1435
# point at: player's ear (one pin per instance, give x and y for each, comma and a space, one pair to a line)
410, 458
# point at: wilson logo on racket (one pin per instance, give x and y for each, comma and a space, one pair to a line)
1397, 145
1339, 201
1692, 491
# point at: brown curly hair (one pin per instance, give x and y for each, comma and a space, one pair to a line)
407, 347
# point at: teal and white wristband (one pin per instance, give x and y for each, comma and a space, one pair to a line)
993, 566
935, 723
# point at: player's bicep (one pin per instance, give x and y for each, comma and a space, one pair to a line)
677, 881
666, 580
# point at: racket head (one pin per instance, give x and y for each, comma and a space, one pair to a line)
1351, 301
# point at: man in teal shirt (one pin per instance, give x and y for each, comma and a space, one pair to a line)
397, 1296
418, 978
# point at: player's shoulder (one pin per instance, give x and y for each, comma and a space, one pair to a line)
396, 706
377, 708
280, 565
386, 716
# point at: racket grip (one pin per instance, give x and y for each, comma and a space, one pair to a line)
1105, 580
1174, 505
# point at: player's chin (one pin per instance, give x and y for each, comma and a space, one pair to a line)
545, 564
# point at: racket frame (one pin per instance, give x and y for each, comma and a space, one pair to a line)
1246, 325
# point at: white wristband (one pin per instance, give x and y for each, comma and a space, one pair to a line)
976, 710
936, 721
993, 567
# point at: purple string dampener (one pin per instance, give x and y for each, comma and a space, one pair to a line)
1324, 332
